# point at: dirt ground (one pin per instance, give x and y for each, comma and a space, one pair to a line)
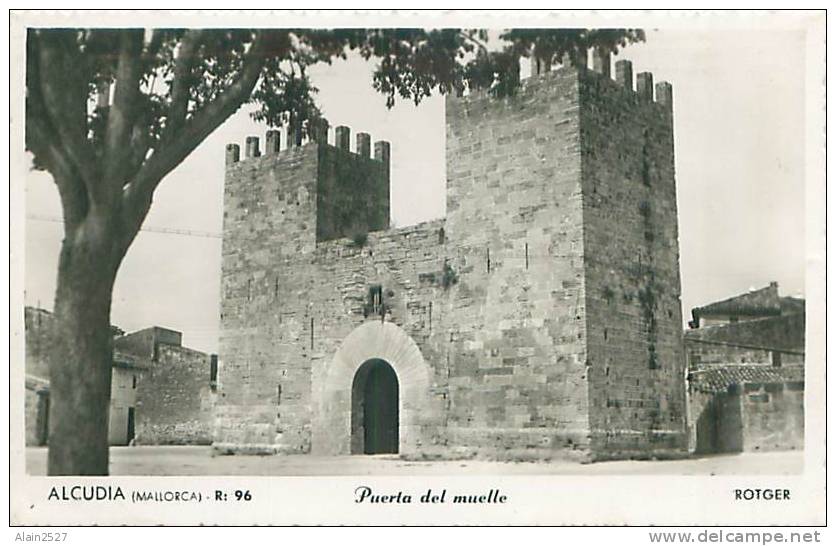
198, 461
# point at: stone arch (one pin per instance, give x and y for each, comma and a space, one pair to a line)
372, 340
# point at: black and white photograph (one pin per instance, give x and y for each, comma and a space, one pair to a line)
337, 268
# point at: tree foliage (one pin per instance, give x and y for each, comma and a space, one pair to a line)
177, 85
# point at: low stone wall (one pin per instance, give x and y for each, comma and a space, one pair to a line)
746, 408
773, 416
174, 399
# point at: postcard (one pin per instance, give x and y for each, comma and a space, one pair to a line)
459, 268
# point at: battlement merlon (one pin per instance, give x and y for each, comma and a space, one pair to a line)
318, 133
349, 190
601, 67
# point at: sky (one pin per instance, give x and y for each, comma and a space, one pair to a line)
740, 169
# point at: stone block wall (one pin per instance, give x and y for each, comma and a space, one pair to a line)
408, 265
773, 416
770, 341
266, 399
517, 348
144, 344
768, 413
269, 226
166, 385
352, 194
284, 300
633, 315
703, 355
174, 398
751, 417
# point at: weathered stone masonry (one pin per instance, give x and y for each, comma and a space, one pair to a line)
161, 392
635, 356
746, 377
540, 318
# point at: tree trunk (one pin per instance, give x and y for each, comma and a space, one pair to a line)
81, 353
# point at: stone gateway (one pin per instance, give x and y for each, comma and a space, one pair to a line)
540, 319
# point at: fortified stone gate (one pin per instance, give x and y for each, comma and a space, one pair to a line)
540, 318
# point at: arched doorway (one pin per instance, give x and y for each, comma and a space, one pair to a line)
336, 424
374, 408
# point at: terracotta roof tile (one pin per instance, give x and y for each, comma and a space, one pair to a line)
714, 380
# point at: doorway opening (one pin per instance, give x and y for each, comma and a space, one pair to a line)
374, 408
42, 420
720, 426
131, 425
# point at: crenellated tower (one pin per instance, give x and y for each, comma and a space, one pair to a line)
561, 214
279, 205
540, 318
631, 263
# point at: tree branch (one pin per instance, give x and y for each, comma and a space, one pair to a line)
123, 111
137, 195
71, 188
141, 142
154, 44
478, 43
181, 84
64, 100
42, 140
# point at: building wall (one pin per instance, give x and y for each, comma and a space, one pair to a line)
143, 344
707, 354
174, 398
753, 417
774, 420
773, 416
352, 194
729, 423
408, 265
517, 334
269, 238
707, 322
39, 325
288, 335
166, 385
31, 416
38, 329
123, 397
631, 249
36, 410
769, 341
783, 333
